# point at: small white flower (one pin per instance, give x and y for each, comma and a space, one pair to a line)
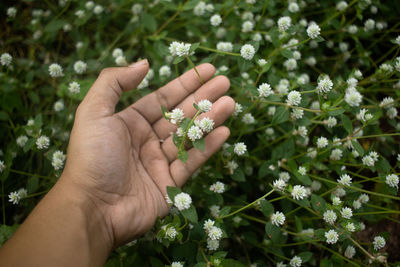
364, 198
43, 142
392, 113
74, 88
208, 224
56, 70
369, 25
336, 201
89, 5
324, 85
137, 9
356, 204
315, 185
350, 252
296, 261
284, 23
298, 192
225, 46
297, 113
58, 159
14, 197
368, 161
329, 216
121, 61
293, 7
59, 105
264, 90
302, 170
346, 212
117, 52
290, 64
80, 67
247, 51
176, 115
247, 26
353, 97
231, 166
11, 12
21, 140
165, 71
240, 149
379, 242
182, 201
345, 179
5, 59
204, 105
279, 185
215, 20
206, 124
218, 187
278, 218
350, 227
387, 102
212, 244
342, 5
238, 109
331, 122
313, 31
176, 264
322, 142
331, 237
293, 98
261, 62
98, 9
214, 233
194, 133
171, 232
285, 176
392, 180
352, 29
80, 13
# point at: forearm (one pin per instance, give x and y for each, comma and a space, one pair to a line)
65, 229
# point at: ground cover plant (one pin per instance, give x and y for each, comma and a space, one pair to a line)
309, 175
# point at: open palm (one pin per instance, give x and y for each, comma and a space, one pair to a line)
124, 161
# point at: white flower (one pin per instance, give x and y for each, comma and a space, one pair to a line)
331, 122
331, 237
200, 9
302, 170
369, 25
240, 149
293, 7
342, 5
214, 209
392, 180
350, 252
225, 46
212, 244
322, 142
284, 23
356, 204
264, 90
293, 98
285, 176
56, 70
214, 233
22, 192
364, 198
218, 187
238, 109
204, 105
295, 261
387, 102
278, 218
59, 105
171, 232
324, 85
43, 142
11, 12
98, 9
74, 88
165, 71
247, 26
89, 5
80, 67
21, 140
311, 61
137, 9
206, 124
391, 113
80, 13
352, 29
297, 113
5, 59
353, 97
261, 62
346, 212
231, 166
329, 216
117, 52
182, 201
208, 224
379, 242
279, 185
345, 179
176, 264
194, 133
313, 31
176, 116
121, 61
368, 161
290, 64
58, 159
215, 20
315, 185
336, 201
14, 197
179, 49
247, 51
350, 227
298, 192
363, 115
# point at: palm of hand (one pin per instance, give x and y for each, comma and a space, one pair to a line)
126, 168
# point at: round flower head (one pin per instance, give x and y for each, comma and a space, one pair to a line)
290, 64
171, 232
293, 98
205, 124
329, 216
43, 142
293, 7
80, 67
322, 142
214, 233
194, 133
121, 61
247, 51
346, 213
336, 201
225, 46
218, 187
74, 88
56, 70
284, 23
11, 12
324, 85
350, 252
59, 105
350, 227
182, 201
176, 264
2, 166
204, 105
165, 71
14, 197
117, 52
208, 224
5, 59
353, 97
331, 122
278, 218
279, 185
331, 237
21, 140
392, 180
264, 90
215, 20
379, 242
295, 261
284, 176
176, 116
58, 159
240, 149
298, 192
313, 31
345, 179
212, 244
238, 109
342, 5
247, 26
98, 9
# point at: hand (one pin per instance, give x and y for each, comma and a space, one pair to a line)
124, 161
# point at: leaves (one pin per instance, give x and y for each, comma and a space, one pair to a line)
200, 144
238, 175
190, 214
281, 115
266, 208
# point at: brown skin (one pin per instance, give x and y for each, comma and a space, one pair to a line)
114, 183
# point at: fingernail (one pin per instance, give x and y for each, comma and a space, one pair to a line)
139, 63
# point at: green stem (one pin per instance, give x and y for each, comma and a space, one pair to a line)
219, 51
194, 67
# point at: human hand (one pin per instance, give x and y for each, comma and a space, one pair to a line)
117, 159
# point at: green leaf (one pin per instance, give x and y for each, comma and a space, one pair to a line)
3, 116
200, 144
29, 144
305, 256
172, 192
195, 106
383, 165
32, 185
149, 22
274, 33
183, 155
287, 53
318, 203
193, 47
319, 39
190, 214
281, 115
267, 208
54, 25
164, 110
178, 60
358, 147
272, 231
224, 211
347, 124
336, 112
238, 175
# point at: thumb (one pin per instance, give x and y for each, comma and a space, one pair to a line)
104, 94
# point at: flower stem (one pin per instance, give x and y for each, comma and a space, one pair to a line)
194, 67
